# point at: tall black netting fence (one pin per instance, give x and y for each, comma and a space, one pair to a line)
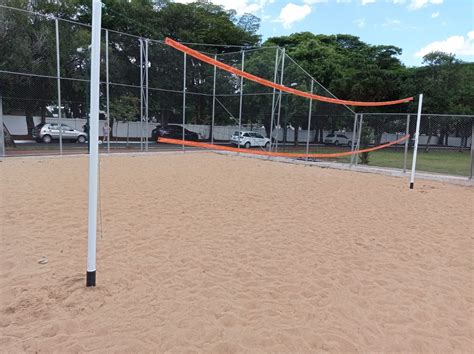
303, 124
379, 129
27, 102
230, 93
149, 89
445, 144
27, 43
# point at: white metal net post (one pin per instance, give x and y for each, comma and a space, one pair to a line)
94, 142
417, 137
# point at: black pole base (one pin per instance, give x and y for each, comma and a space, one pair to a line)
411, 185
90, 278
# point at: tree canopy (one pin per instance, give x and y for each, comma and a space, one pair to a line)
355, 70
350, 68
28, 46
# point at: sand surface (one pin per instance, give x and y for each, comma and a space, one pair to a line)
201, 252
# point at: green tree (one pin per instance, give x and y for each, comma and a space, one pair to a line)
446, 83
27, 46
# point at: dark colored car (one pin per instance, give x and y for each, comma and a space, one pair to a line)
173, 132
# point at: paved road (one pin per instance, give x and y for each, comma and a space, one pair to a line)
31, 148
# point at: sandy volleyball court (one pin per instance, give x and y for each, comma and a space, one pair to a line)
204, 252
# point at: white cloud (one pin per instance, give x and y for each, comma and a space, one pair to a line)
390, 22
360, 22
418, 4
434, 14
292, 13
311, 2
366, 2
241, 6
458, 45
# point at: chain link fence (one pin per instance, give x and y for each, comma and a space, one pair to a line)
147, 86
445, 142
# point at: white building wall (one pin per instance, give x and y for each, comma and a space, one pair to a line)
17, 126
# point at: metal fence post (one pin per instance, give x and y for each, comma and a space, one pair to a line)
128, 132
309, 120
279, 97
107, 88
58, 75
2, 133
353, 142
417, 136
184, 95
405, 155
241, 97
146, 94
361, 116
213, 101
141, 94
472, 149
275, 72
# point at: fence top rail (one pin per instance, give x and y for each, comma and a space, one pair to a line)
246, 47
423, 114
52, 17
251, 49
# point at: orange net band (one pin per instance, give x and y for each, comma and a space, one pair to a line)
209, 60
277, 154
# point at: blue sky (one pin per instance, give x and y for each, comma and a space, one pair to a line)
416, 26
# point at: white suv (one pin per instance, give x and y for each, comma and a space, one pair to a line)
249, 139
337, 139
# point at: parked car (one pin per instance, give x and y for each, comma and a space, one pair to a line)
249, 139
173, 131
47, 132
337, 139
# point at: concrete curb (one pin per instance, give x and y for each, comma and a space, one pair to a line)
393, 172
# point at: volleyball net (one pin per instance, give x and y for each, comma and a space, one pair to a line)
279, 154
299, 104
196, 54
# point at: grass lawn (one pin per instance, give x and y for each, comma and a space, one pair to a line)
440, 161
443, 161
